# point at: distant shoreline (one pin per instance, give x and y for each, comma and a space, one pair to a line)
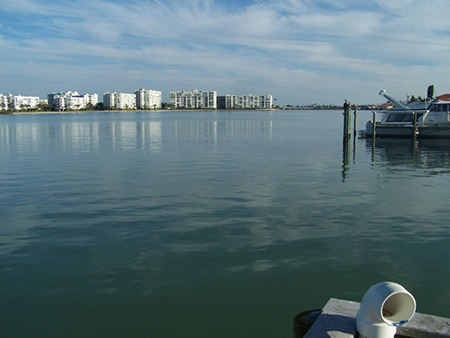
172, 110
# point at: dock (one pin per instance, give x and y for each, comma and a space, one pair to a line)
338, 320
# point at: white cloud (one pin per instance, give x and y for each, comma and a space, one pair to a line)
288, 48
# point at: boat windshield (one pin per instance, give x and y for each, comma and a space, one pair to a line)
400, 118
440, 107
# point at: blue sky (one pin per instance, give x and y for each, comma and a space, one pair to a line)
300, 51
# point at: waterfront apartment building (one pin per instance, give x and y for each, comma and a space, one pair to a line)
119, 100
4, 102
148, 99
18, 102
194, 99
245, 101
72, 100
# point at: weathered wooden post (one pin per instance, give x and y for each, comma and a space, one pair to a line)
346, 138
347, 120
374, 119
354, 123
374, 134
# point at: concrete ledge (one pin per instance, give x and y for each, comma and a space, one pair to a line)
338, 320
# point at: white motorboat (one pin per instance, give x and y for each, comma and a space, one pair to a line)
429, 118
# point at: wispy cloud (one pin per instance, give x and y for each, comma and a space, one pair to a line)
300, 51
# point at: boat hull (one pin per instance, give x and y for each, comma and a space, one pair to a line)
407, 131
389, 130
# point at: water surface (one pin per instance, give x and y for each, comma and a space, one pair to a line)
210, 224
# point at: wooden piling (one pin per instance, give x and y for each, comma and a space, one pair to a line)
354, 123
374, 120
347, 120
374, 134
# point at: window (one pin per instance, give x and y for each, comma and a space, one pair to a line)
399, 118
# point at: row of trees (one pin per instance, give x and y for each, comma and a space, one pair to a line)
430, 95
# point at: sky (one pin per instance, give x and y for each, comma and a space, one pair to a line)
300, 51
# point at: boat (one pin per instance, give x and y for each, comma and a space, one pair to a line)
424, 119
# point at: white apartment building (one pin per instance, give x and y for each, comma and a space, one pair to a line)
109, 100
91, 99
247, 101
194, 99
148, 99
72, 100
18, 102
4, 101
25, 102
119, 100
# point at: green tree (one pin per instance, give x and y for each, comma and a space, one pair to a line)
165, 105
44, 107
99, 106
430, 92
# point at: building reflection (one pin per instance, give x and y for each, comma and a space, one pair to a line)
229, 130
81, 136
103, 136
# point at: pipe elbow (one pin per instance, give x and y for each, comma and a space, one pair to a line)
384, 306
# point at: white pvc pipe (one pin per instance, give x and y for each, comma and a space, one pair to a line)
384, 306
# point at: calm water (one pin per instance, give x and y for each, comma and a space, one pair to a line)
210, 224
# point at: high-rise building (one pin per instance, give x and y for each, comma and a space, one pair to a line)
119, 100
4, 102
25, 102
109, 100
148, 99
72, 100
194, 99
18, 102
245, 101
